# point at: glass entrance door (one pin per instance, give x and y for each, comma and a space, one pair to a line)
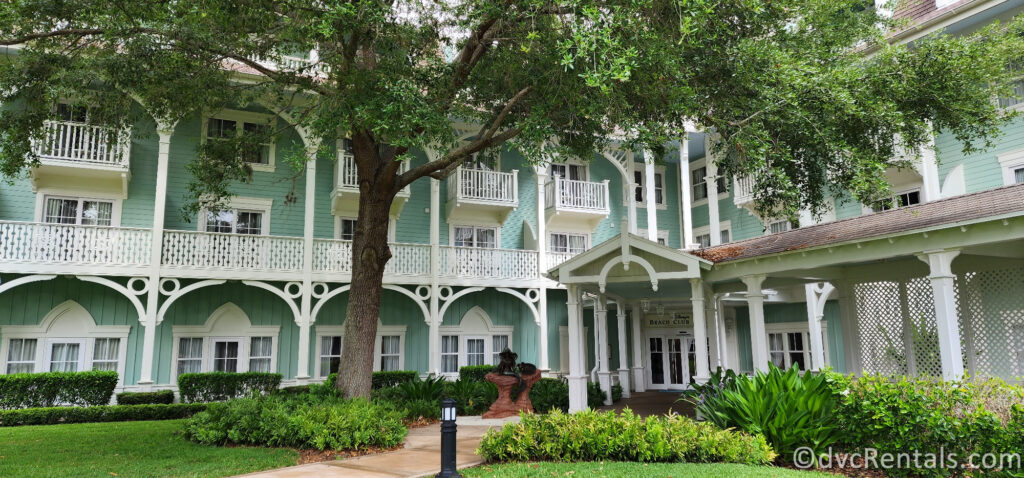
668, 359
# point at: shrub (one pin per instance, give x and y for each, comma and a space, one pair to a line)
472, 397
33, 390
475, 372
428, 389
788, 409
897, 415
393, 378
600, 436
144, 398
323, 423
595, 396
616, 392
102, 413
219, 386
295, 390
550, 394
417, 409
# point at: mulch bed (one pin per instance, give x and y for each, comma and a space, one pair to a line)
857, 472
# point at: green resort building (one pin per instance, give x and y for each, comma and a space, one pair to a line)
619, 268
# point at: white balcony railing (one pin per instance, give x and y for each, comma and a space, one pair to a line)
26, 242
743, 190
556, 259
335, 256
485, 186
477, 263
83, 143
346, 175
208, 250
577, 195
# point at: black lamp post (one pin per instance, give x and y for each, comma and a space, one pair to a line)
448, 469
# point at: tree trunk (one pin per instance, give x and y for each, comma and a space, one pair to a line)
370, 253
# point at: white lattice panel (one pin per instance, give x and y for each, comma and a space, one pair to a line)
992, 311
880, 324
203, 250
923, 329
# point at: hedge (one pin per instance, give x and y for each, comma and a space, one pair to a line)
220, 386
392, 378
476, 372
102, 413
145, 398
33, 390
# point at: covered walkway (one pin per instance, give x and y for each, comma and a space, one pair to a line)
647, 404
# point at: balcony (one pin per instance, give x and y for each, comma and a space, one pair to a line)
89, 157
556, 259
345, 196
332, 257
743, 192
482, 195
64, 248
571, 203
495, 264
231, 256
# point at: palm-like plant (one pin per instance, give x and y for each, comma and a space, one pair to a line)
430, 388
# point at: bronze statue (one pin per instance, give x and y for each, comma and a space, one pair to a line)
507, 376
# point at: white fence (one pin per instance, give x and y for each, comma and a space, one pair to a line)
346, 176
335, 256
485, 185
470, 262
71, 244
743, 190
80, 142
208, 250
582, 195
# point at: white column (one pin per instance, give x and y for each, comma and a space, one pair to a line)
714, 333
908, 330
711, 180
630, 185
652, 204
850, 327
931, 189
542, 308
685, 194
944, 291
758, 337
577, 361
639, 382
623, 354
724, 360
700, 332
604, 375
155, 255
434, 342
309, 220
542, 266
813, 296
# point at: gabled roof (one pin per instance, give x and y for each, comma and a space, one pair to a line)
629, 258
993, 203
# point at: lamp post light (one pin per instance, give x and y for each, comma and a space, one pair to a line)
448, 468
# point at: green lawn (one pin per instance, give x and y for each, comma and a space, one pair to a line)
152, 448
634, 470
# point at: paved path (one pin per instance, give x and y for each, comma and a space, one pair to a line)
420, 457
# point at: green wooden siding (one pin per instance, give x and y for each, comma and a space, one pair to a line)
503, 309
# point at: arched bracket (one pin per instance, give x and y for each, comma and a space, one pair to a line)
286, 294
530, 303
6, 286
177, 292
341, 290
451, 298
602, 282
131, 292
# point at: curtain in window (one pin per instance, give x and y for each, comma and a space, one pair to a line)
21, 356
330, 355
260, 351
700, 187
61, 211
1018, 176
559, 243
104, 354
577, 243
776, 350
64, 358
220, 221
475, 352
96, 213
190, 355
450, 354
464, 237
486, 238
249, 222
499, 344
389, 352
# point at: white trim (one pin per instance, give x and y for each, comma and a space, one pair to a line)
1008, 162
339, 331
627, 189
798, 327
724, 226
662, 234
81, 195
237, 203
480, 326
569, 162
477, 225
392, 223
563, 347
67, 322
236, 326
241, 117
586, 236
695, 165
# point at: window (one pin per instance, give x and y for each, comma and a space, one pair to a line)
261, 155
104, 354
1018, 90
225, 355
704, 240
788, 348
568, 243
450, 354
485, 162
347, 229
235, 221
904, 199
574, 172
21, 356
498, 345
780, 226
65, 356
659, 187
261, 352
700, 187
84, 212
1018, 175
725, 236
390, 352
190, 355
72, 113
330, 354
475, 354
480, 237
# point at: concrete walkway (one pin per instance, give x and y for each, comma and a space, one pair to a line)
420, 457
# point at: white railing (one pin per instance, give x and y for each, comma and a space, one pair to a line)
556, 259
70, 244
485, 185
208, 250
477, 263
291, 63
580, 195
83, 143
335, 256
346, 176
743, 190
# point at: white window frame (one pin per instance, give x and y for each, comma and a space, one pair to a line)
485, 225
67, 322
570, 163
768, 226
229, 322
240, 118
321, 333
42, 194
723, 193
245, 204
658, 170
483, 328
1011, 161
586, 240
798, 327
662, 235
724, 226
243, 351
392, 222
33, 361
378, 351
382, 330
895, 195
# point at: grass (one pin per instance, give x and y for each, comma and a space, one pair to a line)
633, 470
148, 448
